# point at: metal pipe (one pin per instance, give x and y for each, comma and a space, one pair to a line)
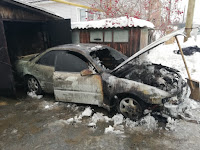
77, 5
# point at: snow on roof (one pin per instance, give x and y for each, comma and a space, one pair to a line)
113, 23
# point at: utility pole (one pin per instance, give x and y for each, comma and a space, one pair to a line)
189, 19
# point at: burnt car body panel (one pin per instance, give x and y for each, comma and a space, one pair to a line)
72, 87
113, 74
115, 86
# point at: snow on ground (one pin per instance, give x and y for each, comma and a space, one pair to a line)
34, 95
164, 55
189, 109
48, 105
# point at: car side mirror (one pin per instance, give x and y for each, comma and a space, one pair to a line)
86, 72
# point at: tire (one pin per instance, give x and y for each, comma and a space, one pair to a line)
33, 85
130, 108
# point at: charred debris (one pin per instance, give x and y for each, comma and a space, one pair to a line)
156, 75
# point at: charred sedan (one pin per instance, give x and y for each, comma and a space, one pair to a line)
99, 75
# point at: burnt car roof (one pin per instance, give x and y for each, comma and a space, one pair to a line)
85, 48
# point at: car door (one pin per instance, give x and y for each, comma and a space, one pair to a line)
71, 86
44, 68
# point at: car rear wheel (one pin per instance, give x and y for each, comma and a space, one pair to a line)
130, 108
33, 85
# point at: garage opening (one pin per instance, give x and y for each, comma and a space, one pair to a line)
24, 38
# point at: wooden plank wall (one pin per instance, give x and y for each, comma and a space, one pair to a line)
127, 48
84, 36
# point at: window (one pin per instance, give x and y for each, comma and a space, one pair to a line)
88, 15
108, 36
83, 15
71, 62
120, 36
116, 35
75, 37
108, 58
48, 58
96, 36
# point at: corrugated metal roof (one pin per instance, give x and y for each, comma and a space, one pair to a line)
113, 23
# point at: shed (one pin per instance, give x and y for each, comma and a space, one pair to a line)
26, 29
126, 34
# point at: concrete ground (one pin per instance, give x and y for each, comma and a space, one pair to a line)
40, 124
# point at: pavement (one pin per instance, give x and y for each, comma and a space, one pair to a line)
42, 124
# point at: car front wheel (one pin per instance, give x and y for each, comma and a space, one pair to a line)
33, 85
130, 108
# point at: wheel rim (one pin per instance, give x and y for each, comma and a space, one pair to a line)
130, 108
33, 85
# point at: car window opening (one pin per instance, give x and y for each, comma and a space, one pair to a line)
108, 58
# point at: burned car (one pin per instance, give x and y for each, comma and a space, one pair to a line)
100, 75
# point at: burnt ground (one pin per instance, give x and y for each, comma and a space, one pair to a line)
27, 123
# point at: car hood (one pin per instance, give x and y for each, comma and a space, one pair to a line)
151, 46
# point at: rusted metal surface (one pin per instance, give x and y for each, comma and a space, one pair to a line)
195, 91
86, 72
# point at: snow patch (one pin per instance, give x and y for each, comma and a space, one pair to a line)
14, 131
87, 112
99, 117
118, 119
78, 119
112, 23
111, 129
96, 47
188, 110
49, 105
171, 124
149, 122
164, 54
34, 95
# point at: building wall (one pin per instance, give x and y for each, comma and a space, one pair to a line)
63, 10
129, 47
68, 11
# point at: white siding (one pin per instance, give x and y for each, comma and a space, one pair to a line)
63, 10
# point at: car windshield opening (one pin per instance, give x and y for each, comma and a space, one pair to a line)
108, 58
